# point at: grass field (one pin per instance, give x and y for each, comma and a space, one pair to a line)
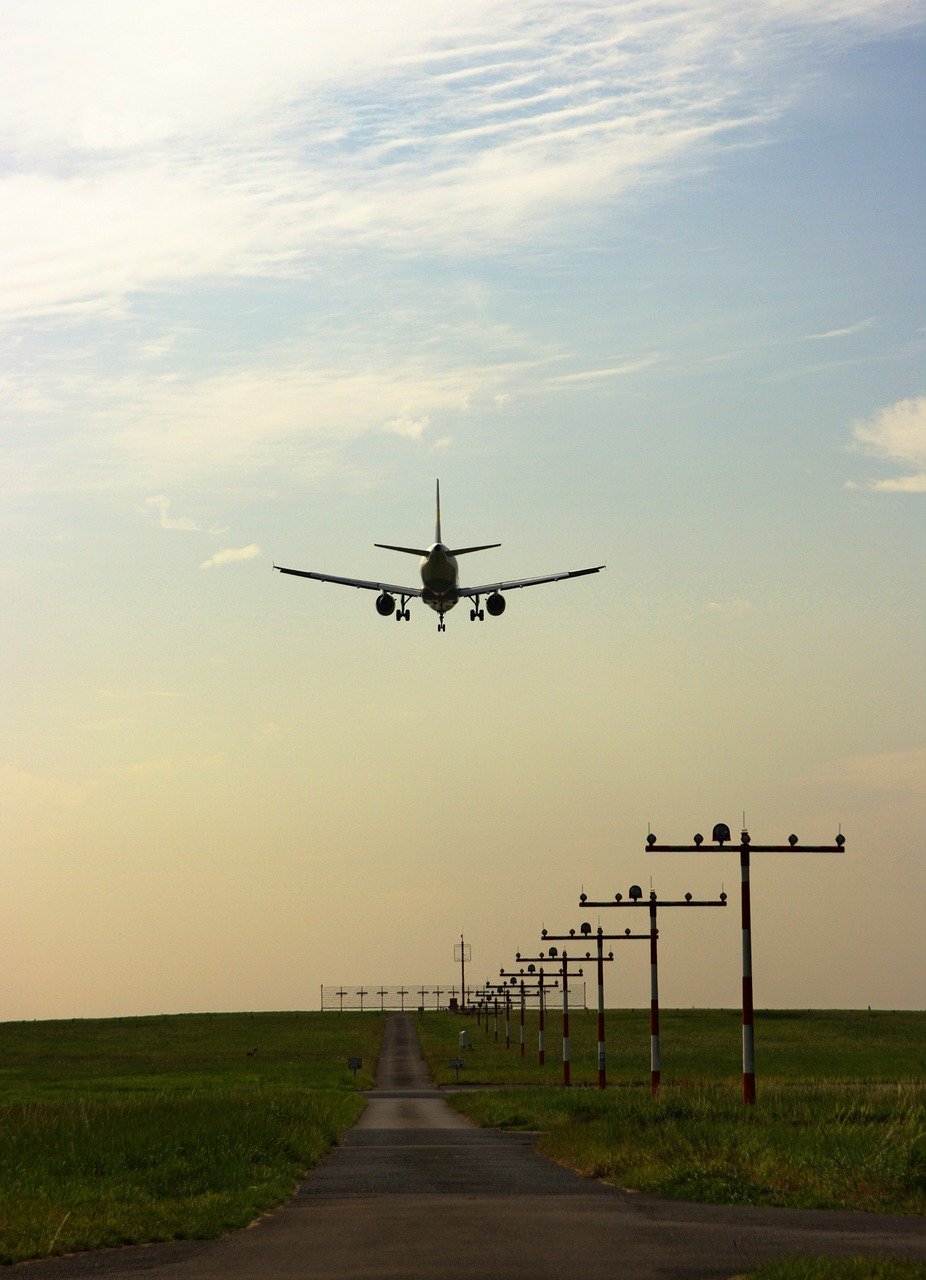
839, 1121
138, 1129
158, 1128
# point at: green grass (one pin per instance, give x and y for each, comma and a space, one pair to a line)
249, 1051
839, 1121
126, 1130
695, 1044
841, 1269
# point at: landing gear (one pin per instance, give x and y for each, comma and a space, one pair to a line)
441, 624
476, 614
402, 613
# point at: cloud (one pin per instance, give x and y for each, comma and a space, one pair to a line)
612, 371
896, 434
733, 608
232, 555
137, 429
144, 769
841, 333
159, 507
405, 425
30, 792
418, 128
141, 693
900, 771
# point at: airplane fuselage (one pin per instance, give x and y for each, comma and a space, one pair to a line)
439, 578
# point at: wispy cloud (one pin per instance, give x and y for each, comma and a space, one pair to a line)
887, 771
611, 371
231, 555
896, 434
841, 333
732, 608
141, 770
418, 128
139, 693
159, 508
138, 429
22, 790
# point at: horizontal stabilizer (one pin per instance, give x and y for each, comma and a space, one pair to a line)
409, 551
463, 551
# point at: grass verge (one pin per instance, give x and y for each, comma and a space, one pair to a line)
841, 1269
824, 1146
132, 1130
839, 1121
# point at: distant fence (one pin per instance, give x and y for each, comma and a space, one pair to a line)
378, 997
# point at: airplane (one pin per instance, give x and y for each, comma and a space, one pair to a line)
440, 589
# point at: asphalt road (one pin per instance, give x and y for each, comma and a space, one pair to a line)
415, 1192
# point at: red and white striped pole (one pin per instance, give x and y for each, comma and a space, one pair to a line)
654, 999
566, 1078
522, 1018
749, 1043
541, 1049
602, 1078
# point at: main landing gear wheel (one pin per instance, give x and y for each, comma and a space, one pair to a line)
401, 614
475, 614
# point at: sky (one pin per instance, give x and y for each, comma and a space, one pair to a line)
643, 285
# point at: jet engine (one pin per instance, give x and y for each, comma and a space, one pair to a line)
496, 604
385, 604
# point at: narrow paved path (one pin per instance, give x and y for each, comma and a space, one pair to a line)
416, 1193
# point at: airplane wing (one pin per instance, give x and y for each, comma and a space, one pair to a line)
526, 582
353, 582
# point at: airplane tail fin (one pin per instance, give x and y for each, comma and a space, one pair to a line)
419, 551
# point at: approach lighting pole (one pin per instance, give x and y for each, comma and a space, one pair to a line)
402, 993
564, 962
517, 980
502, 988
382, 993
341, 993
721, 837
534, 981
635, 899
462, 951
600, 937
